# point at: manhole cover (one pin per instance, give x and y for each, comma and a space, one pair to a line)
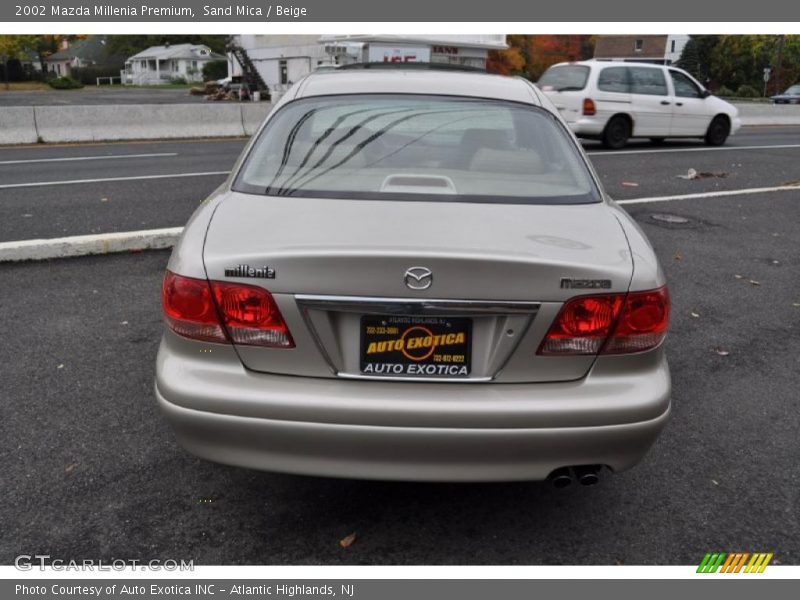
666, 218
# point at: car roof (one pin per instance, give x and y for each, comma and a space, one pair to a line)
415, 81
615, 63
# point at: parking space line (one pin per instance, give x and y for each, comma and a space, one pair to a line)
702, 149
716, 194
74, 158
109, 179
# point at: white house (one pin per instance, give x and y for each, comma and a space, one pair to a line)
284, 59
161, 64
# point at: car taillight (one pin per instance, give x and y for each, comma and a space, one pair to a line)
588, 107
251, 316
609, 323
189, 308
217, 311
642, 324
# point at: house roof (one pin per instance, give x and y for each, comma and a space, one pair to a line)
92, 49
177, 51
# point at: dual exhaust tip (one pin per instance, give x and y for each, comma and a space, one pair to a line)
583, 474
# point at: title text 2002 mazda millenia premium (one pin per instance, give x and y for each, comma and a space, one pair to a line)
415, 274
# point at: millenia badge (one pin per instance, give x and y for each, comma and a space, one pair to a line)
264, 272
734, 562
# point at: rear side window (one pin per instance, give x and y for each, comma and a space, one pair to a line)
613, 79
564, 78
414, 147
646, 81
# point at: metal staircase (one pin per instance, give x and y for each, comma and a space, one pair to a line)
250, 73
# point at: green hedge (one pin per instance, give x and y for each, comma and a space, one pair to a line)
65, 83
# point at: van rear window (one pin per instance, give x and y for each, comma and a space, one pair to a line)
564, 78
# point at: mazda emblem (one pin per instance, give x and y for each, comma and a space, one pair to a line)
418, 278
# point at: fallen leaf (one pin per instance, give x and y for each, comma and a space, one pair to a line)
103, 199
695, 315
794, 182
124, 323
796, 304
739, 276
754, 282
348, 541
715, 482
629, 184
61, 366
678, 256
70, 468
721, 351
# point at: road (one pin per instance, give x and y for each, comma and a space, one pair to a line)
92, 470
135, 195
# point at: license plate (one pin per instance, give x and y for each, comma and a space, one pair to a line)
416, 346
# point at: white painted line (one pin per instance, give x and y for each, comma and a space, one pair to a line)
701, 149
717, 194
109, 179
74, 158
80, 245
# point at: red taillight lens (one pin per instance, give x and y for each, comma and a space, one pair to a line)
588, 107
613, 323
251, 315
643, 323
218, 311
189, 308
582, 325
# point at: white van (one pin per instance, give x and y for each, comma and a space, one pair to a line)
615, 101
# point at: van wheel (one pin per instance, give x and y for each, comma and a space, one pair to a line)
718, 131
616, 133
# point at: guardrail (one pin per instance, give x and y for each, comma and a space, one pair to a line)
102, 123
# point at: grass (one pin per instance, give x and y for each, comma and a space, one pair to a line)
24, 86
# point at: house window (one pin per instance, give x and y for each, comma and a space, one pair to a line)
638, 45
194, 65
175, 65
143, 64
672, 46
284, 71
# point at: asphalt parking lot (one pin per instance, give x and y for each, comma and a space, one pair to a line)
92, 471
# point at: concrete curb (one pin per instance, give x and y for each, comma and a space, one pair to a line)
82, 245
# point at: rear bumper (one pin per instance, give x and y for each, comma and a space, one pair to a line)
410, 431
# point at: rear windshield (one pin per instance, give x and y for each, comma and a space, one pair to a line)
414, 147
564, 78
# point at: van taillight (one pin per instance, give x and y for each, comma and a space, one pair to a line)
219, 311
588, 107
609, 324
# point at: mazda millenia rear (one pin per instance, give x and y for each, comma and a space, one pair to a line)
414, 275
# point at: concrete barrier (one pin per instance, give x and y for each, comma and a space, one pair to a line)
17, 125
58, 124
756, 113
54, 124
253, 114
137, 121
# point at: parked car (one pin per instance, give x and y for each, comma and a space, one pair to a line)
790, 96
616, 101
415, 275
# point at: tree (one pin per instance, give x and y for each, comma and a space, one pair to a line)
532, 55
12, 47
696, 57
